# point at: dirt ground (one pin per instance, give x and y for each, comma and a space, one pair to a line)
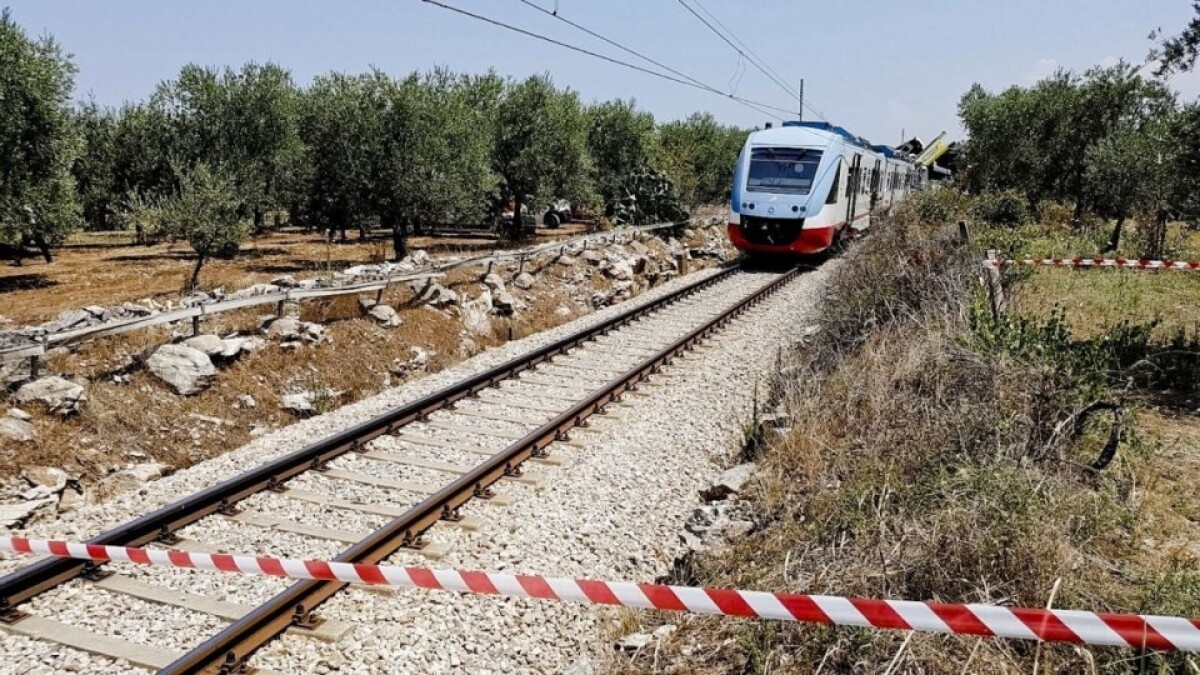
108, 268
131, 417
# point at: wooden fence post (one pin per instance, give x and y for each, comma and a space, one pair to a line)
995, 285
963, 235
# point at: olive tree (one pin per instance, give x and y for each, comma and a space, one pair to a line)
339, 127
1179, 53
38, 141
243, 120
432, 162
619, 140
540, 145
698, 154
205, 214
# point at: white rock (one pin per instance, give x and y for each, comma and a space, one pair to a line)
16, 515
19, 414
505, 304
285, 328
148, 471
524, 281
475, 314
137, 310
189, 371
17, 430
59, 395
246, 401
494, 282
385, 316
633, 642
51, 478
210, 345
305, 402
728, 483
434, 294
664, 631
419, 360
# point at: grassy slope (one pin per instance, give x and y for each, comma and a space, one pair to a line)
925, 466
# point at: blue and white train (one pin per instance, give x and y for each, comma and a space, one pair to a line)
800, 188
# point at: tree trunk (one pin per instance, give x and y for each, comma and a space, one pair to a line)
259, 221
1077, 214
1158, 236
44, 247
195, 282
1114, 239
516, 230
399, 230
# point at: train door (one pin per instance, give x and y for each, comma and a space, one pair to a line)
853, 186
876, 177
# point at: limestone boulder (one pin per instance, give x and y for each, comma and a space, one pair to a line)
187, 370
58, 394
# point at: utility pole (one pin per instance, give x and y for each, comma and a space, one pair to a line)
800, 116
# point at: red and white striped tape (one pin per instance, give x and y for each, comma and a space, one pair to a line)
1122, 263
1054, 625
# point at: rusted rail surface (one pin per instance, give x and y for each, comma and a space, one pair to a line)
229, 650
31, 580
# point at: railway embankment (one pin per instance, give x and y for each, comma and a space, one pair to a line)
610, 505
104, 416
925, 448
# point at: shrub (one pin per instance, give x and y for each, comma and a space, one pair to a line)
931, 206
1000, 208
1054, 213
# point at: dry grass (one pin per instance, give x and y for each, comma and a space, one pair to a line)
141, 420
923, 467
108, 270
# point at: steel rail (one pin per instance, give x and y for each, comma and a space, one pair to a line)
29, 581
229, 650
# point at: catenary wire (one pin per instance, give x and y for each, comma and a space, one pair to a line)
782, 85
755, 105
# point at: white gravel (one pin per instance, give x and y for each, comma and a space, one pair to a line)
613, 512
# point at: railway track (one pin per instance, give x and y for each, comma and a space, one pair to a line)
443, 451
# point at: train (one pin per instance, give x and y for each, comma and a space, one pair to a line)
799, 189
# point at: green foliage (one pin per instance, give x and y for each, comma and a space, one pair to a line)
619, 140
1000, 208
408, 153
645, 196
93, 167
1123, 355
1036, 140
205, 213
698, 155
335, 120
243, 120
932, 206
38, 140
541, 144
1179, 53
347, 151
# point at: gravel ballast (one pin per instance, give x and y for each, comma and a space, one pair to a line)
613, 511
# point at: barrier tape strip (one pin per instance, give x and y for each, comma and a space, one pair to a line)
1121, 263
1053, 625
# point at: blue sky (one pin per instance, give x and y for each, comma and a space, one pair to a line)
874, 66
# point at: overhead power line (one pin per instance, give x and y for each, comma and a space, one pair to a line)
760, 107
754, 61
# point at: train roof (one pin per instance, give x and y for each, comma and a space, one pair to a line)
797, 133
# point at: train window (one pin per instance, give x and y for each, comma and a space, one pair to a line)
782, 170
837, 180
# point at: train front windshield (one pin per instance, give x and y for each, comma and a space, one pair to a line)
782, 170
